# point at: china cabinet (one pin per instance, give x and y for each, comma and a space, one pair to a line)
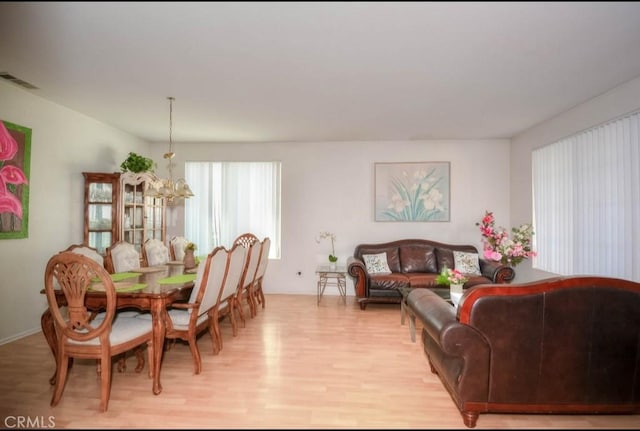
115, 209
101, 191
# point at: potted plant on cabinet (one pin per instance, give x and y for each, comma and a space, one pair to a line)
136, 163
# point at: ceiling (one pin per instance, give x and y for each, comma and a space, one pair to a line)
320, 71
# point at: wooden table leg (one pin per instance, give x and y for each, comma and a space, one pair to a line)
159, 328
49, 331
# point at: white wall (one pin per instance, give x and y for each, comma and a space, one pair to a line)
325, 186
329, 186
64, 143
617, 102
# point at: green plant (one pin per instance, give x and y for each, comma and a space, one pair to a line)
137, 163
190, 246
450, 276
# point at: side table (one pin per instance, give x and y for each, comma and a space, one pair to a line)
331, 276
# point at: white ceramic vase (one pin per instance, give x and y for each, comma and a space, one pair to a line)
455, 288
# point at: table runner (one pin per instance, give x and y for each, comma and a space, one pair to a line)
182, 278
119, 276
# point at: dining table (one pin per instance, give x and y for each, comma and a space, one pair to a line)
151, 289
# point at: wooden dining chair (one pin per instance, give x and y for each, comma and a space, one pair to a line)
248, 276
93, 254
186, 320
77, 335
121, 256
257, 295
154, 252
176, 247
225, 305
88, 251
246, 239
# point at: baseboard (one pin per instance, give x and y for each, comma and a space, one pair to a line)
20, 335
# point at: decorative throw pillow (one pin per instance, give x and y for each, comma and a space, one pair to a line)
376, 263
466, 263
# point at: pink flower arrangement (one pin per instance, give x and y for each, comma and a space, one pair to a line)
451, 276
9, 174
497, 245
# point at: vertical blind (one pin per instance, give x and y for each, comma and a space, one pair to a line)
232, 198
586, 202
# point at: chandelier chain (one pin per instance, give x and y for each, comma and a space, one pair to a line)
171, 99
167, 188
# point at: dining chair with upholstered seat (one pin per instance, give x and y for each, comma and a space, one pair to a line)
225, 304
122, 256
246, 281
177, 245
246, 239
154, 252
88, 251
77, 335
186, 320
93, 254
256, 288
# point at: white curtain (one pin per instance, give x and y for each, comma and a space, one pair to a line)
586, 202
232, 198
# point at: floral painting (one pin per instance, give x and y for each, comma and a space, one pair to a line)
412, 191
15, 156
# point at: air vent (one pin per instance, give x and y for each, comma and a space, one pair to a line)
9, 77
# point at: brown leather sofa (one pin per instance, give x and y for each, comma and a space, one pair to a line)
561, 345
414, 263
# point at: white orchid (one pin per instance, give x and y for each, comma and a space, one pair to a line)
332, 237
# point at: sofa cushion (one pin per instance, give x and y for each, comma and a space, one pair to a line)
389, 281
423, 279
376, 263
444, 256
467, 263
417, 258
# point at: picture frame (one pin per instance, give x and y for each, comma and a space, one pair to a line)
412, 191
15, 165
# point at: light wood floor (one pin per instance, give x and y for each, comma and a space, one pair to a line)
296, 365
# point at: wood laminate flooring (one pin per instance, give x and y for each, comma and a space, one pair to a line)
295, 365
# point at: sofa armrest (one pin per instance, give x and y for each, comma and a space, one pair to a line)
496, 272
459, 352
357, 270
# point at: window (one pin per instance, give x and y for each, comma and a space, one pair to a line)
586, 202
232, 198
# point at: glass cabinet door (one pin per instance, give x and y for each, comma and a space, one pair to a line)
133, 213
142, 216
100, 209
155, 218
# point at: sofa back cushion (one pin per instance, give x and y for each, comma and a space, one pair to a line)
418, 258
393, 259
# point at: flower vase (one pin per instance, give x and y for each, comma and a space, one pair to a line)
455, 288
189, 259
332, 265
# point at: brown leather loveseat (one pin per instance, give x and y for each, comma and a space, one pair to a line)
414, 263
561, 345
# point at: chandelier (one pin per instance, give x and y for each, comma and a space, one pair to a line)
167, 188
